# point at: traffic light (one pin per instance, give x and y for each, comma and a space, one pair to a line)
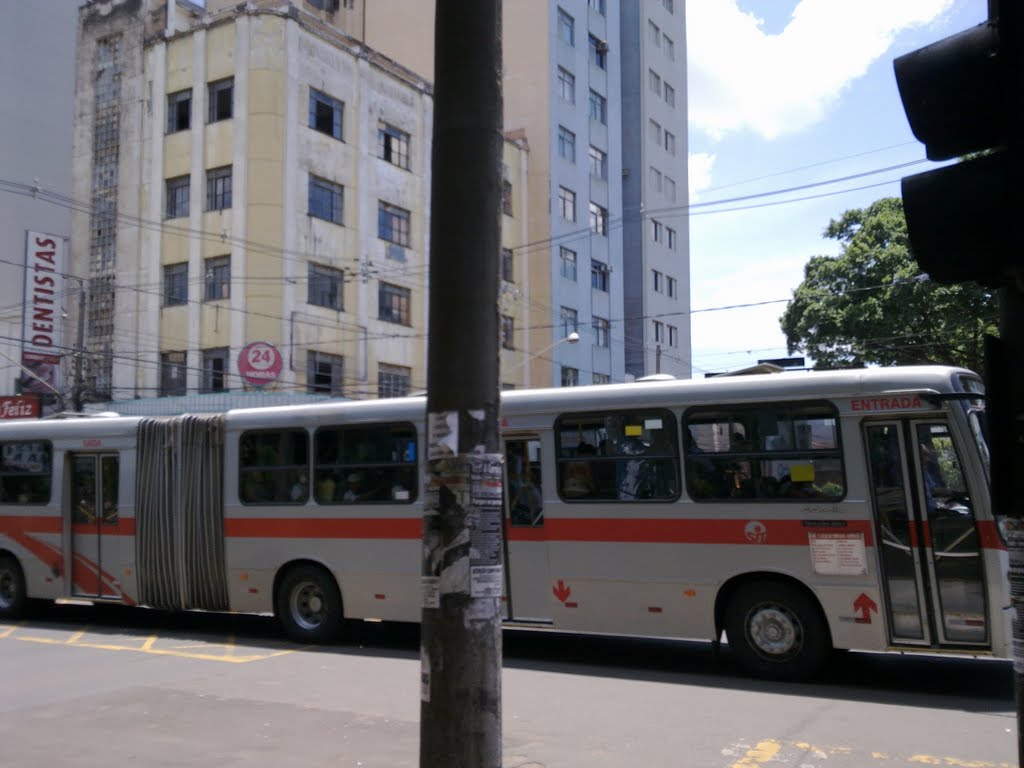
961, 97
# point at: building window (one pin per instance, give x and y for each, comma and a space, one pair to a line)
602, 332
179, 111
569, 318
218, 189
670, 286
176, 284
567, 204
598, 52
570, 377
393, 145
325, 287
602, 378
598, 164
566, 85
654, 33
598, 108
566, 28
670, 189
508, 328
393, 380
172, 373
656, 230
673, 336
670, 48
598, 219
654, 82
507, 265
659, 330
599, 276
177, 197
669, 5
324, 373
654, 129
657, 280
670, 143
325, 113
325, 199
392, 224
393, 304
656, 179
217, 278
566, 144
671, 238
598, 5
506, 197
215, 370
221, 100
670, 95
568, 258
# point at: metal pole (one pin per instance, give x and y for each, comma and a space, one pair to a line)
76, 397
460, 712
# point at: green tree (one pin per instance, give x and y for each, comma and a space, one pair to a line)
871, 304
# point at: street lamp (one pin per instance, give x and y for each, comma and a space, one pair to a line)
572, 338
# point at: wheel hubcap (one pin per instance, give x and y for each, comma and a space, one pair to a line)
774, 632
6, 589
307, 605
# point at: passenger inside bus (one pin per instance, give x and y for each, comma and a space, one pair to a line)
579, 475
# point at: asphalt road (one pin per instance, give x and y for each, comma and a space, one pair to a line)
103, 686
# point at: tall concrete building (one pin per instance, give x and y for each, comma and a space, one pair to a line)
37, 56
599, 90
258, 187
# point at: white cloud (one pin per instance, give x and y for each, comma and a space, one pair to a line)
699, 172
741, 78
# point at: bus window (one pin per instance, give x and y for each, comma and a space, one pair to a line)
367, 463
621, 455
763, 452
25, 472
273, 467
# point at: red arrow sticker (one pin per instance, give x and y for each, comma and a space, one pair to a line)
864, 605
562, 592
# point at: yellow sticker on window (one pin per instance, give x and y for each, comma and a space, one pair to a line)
634, 430
801, 473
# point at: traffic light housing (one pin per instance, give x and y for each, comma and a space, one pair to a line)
961, 97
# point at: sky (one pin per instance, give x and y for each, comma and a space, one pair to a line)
784, 93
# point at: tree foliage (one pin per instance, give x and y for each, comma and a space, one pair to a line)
871, 304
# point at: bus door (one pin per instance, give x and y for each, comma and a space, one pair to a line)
527, 585
93, 485
929, 545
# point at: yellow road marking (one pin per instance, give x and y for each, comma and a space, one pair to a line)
148, 647
954, 762
762, 753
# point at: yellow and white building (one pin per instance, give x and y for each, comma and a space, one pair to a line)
251, 174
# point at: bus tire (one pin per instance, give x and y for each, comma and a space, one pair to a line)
309, 604
776, 631
12, 588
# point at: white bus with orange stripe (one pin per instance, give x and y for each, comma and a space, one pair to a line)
796, 513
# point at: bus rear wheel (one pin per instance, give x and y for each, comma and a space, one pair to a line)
309, 604
12, 588
776, 631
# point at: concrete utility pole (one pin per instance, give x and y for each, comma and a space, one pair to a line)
460, 712
76, 398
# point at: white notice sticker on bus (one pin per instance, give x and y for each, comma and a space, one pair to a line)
838, 554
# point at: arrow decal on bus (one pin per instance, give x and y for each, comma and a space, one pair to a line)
864, 605
562, 592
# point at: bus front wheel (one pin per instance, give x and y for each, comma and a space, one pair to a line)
12, 588
776, 631
309, 604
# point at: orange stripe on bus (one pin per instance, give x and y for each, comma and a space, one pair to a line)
707, 531
324, 528
11, 524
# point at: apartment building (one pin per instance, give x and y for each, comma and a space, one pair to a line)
561, 84
259, 187
35, 155
656, 232
599, 89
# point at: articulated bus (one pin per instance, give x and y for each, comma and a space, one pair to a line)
791, 514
